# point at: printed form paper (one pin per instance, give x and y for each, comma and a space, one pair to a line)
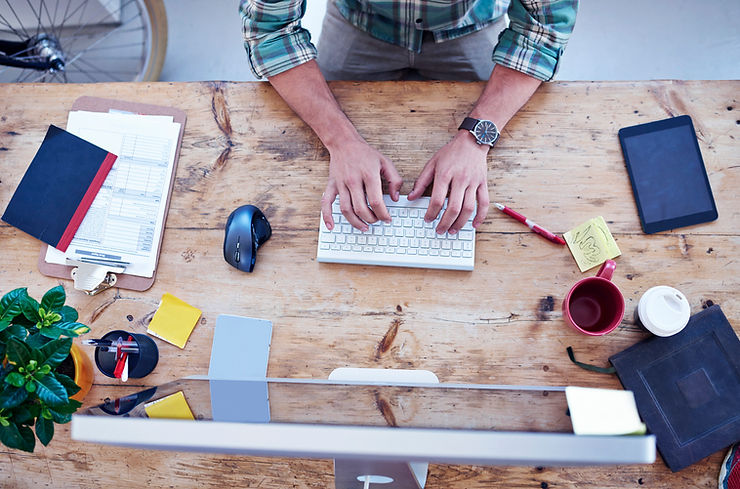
126, 219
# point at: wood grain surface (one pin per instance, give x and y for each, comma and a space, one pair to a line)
558, 162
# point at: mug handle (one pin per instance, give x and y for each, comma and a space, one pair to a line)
607, 269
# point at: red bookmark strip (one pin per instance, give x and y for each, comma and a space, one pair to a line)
86, 202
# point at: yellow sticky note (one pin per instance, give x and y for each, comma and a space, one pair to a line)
174, 406
591, 243
174, 320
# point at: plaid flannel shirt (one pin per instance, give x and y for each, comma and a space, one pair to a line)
533, 43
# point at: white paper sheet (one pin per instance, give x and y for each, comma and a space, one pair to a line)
125, 221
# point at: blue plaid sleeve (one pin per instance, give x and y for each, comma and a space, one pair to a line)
273, 36
536, 37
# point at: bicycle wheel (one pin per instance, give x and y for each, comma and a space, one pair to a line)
82, 41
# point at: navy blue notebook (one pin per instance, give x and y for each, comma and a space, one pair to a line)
687, 387
58, 188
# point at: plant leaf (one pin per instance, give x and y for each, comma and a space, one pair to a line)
31, 309
55, 352
12, 397
69, 314
15, 379
72, 329
11, 305
68, 408
51, 391
15, 436
18, 352
36, 340
22, 415
54, 299
44, 430
60, 418
68, 384
52, 332
14, 330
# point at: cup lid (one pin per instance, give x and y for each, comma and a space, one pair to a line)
663, 310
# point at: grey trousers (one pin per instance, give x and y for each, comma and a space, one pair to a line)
348, 53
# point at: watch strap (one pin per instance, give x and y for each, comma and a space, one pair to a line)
468, 124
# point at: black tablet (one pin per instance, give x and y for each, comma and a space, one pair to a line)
667, 172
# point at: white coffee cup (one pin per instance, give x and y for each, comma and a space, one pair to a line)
663, 310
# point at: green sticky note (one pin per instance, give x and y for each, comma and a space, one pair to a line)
591, 243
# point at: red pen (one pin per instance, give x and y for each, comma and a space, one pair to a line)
532, 225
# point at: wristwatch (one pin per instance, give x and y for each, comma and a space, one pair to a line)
484, 131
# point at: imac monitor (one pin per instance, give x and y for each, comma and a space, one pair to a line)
361, 421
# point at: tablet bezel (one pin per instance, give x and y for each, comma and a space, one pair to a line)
676, 222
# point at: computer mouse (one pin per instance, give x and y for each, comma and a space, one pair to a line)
246, 230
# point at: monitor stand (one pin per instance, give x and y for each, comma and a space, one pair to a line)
365, 474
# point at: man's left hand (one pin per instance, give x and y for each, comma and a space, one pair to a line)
459, 169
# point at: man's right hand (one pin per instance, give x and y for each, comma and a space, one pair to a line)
355, 172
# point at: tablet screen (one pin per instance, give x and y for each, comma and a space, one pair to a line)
668, 175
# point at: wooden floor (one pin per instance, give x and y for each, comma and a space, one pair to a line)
558, 162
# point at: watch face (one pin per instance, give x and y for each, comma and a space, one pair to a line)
485, 132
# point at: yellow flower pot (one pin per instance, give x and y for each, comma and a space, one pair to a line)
83, 371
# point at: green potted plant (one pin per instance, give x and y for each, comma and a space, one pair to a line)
35, 340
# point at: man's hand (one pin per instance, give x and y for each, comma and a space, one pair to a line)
460, 170
355, 171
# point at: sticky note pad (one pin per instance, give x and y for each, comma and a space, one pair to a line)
603, 412
174, 406
174, 320
591, 243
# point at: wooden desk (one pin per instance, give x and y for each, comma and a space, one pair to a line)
558, 162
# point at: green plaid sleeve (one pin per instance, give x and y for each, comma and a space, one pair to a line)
273, 36
536, 37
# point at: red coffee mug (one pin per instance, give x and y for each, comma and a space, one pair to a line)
594, 305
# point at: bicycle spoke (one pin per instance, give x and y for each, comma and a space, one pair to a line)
38, 17
25, 75
84, 72
48, 16
66, 17
41, 77
77, 55
100, 21
103, 48
64, 39
113, 48
16, 18
92, 66
5, 21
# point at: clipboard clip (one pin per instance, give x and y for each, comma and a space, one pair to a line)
93, 278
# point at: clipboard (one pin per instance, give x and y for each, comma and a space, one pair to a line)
114, 277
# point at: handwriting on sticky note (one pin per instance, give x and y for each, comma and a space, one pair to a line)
591, 243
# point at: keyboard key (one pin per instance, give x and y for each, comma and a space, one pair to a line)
407, 241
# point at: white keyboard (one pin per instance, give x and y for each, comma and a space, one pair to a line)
407, 241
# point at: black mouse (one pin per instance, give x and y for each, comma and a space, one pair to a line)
246, 230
